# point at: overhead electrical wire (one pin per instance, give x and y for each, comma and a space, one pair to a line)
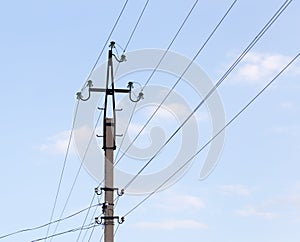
216, 135
213, 90
90, 226
171, 43
177, 33
93, 68
129, 39
105, 43
191, 158
170, 91
86, 150
136, 25
79, 169
76, 178
91, 234
47, 224
86, 216
126, 46
116, 200
93, 229
165, 52
248, 48
164, 55
92, 218
155, 69
64, 166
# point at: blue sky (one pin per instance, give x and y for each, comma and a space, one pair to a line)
49, 47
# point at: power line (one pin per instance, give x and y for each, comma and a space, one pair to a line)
105, 43
149, 78
219, 132
137, 23
213, 90
167, 48
64, 166
170, 91
47, 224
168, 94
161, 58
84, 156
85, 218
90, 237
154, 70
93, 68
249, 47
92, 219
67, 231
77, 175
130, 38
171, 43
125, 132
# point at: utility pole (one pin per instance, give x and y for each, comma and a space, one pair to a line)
109, 144
108, 205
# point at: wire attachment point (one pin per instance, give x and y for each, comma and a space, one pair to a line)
121, 59
121, 193
139, 97
109, 219
97, 191
79, 94
122, 220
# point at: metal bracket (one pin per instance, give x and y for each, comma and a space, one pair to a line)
103, 219
101, 136
110, 91
140, 96
100, 191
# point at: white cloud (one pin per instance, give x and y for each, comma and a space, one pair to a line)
168, 110
188, 201
235, 189
173, 224
178, 202
256, 212
257, 67
285, 206
56, 144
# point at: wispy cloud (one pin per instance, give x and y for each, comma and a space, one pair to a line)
57, 143
285, 206
256, 212
173, 224
179, 202
257, 67
235, 190
288, 201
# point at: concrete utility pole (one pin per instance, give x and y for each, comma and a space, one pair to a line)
108, 206
109, 144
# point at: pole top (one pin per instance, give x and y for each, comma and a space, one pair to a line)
112, 44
